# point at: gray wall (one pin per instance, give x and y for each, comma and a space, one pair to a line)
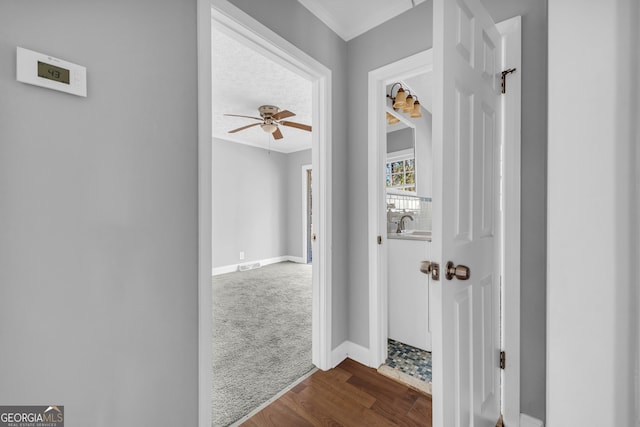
249, 203
380, 46
399, 140
405, 35
98, 237
257, 209
292, 21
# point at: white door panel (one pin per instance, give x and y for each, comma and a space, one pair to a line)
466, 376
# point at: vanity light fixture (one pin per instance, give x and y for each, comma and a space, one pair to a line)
407, 102
416, 111
399, 101
392, 120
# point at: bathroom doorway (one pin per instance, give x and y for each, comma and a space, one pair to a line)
507, 128
406, 163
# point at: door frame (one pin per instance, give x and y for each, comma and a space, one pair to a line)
285, 53
305, 213
511, 31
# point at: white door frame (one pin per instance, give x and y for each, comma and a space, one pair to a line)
378, 79
511, 31
288, 55
305, 214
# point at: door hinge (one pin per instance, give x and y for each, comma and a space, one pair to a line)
503, 360
379, 240
503, 81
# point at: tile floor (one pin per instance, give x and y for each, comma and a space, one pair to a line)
409, 360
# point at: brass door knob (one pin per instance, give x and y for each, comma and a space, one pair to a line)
432, 268
460, 272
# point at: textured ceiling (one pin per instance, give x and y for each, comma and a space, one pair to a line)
350, 18
243, 80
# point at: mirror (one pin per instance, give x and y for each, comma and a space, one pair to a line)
400, 166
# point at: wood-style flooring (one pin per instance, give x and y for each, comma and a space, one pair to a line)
349, 395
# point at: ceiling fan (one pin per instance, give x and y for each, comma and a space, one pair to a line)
271, 117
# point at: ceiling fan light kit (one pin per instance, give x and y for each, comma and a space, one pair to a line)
269, 127
271, 117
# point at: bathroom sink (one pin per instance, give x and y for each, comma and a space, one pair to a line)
419, 233
412, 235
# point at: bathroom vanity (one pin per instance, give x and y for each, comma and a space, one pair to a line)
408, 289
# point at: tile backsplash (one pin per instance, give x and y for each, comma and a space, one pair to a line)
418, 207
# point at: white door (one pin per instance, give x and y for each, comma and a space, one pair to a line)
466, 375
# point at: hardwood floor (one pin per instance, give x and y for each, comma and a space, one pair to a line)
349, 395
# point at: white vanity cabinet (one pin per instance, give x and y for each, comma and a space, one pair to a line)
408, 292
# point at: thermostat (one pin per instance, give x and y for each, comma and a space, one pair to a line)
53, 73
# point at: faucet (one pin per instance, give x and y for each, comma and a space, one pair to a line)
401, 222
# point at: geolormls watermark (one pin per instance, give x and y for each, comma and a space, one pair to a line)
32, 416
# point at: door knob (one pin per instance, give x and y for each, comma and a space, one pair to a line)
460, 272
432, 268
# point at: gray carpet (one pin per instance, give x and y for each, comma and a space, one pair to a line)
261, 336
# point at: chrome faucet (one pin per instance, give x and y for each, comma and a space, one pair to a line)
401, 222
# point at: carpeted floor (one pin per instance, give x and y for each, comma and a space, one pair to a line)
261, 336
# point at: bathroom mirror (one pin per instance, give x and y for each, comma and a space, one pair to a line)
400, 166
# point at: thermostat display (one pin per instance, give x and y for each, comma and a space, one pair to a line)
53, 73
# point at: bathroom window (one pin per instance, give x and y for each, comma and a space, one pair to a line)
401, 171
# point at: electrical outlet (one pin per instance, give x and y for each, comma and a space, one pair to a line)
241, 255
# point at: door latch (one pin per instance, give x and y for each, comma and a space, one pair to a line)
432, 268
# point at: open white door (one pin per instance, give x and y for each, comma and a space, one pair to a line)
466, 375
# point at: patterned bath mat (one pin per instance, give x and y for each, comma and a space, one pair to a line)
409, 365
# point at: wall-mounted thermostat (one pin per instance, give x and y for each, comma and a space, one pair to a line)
53, 73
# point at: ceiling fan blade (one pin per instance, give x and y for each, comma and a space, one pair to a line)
283, 115
296, 125
277, 134
244, 127
246, 117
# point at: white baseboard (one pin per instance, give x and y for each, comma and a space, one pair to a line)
352, 351
234, 267
224, 270
529, 421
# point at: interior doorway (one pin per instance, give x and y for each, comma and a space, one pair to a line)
233, 20
262, 136
509, 134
